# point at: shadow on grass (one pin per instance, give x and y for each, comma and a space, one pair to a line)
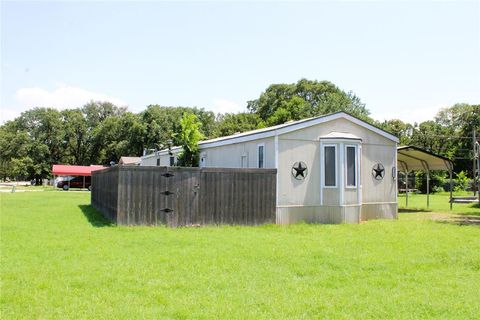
413, 210
463, 220
95, 218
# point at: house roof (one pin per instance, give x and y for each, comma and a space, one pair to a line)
283, 128
129, 160
293, 126
414, 158
67, 170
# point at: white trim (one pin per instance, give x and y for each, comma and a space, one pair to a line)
244, 155
343, 140
285, 128
322, 172
276, 151
395, 182
276, 167
341, 172
263, 155
359, 176
322, 161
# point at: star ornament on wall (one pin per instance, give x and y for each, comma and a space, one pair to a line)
299, 170
378, 171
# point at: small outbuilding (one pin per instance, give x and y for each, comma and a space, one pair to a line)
129, 161
334, 168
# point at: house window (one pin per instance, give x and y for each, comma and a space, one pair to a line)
351, 166
330, 166
261, 155
158, 161
172, 161
203, 160
244, 161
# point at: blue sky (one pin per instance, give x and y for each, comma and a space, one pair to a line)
403, 59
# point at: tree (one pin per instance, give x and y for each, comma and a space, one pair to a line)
282, 102
163, 124
75, 137
231, 123
190, 136
399, 129
44, 128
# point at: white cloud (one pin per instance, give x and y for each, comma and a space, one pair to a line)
226, 106
62, 97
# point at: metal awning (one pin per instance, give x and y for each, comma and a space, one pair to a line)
410, 158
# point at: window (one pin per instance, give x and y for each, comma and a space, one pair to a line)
172, 161
203, 160
351, 163
158, 161
330, 166
261, 155
244, 160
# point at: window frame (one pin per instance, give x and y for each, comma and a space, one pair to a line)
158, 161
335, 147
170, 162
355, 162
244, 156
263, 155
203, 156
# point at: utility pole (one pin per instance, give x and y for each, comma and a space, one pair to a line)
476, 165
477, 144
476, 158
474, 145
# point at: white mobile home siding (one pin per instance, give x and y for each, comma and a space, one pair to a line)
303, 200
230, 156
308, 199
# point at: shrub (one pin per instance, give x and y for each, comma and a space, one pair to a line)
461, 182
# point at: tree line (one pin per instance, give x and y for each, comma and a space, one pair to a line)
100, 132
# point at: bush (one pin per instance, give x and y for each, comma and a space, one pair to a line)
461, 182
437, 181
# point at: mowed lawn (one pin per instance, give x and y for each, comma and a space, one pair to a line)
59, 259
439, 202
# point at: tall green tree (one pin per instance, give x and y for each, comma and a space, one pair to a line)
163, 124
45, 133
75, 138
231, 123
400, 129
306, 98
190, 136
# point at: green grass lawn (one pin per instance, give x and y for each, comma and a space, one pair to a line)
59, 259
439, 202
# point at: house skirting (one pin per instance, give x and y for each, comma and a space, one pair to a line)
336, 214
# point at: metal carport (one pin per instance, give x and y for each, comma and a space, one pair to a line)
68, 170
411, 158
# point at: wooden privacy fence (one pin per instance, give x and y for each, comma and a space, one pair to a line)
178, 196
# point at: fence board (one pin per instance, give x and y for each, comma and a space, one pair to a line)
147, 195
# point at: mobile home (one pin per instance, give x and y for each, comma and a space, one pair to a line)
330, 169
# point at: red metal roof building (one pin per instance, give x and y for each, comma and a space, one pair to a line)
67, 170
